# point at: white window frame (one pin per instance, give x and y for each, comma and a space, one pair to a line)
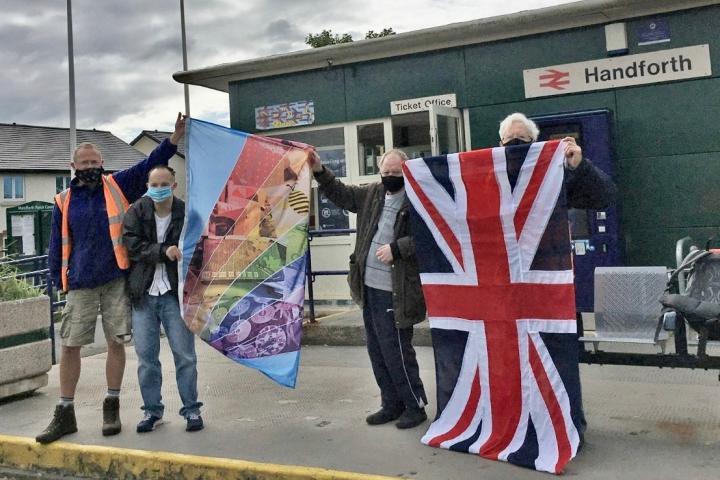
14, 198
352, 160
350, 166
66, 181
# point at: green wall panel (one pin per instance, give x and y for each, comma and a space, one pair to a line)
656, 246
668, 119
324, 87
370, 87
671, 191
495, 70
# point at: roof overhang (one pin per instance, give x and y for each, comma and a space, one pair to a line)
531, 22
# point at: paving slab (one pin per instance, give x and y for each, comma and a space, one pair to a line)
643, 422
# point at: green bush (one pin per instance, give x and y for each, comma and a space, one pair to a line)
13, 287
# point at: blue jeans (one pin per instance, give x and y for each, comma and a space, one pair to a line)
146, 319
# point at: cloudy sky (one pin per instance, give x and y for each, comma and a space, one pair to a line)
126, 51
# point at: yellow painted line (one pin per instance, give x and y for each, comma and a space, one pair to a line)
92, 460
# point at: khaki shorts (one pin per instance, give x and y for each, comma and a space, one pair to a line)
79, 316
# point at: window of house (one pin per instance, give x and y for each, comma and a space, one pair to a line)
61, 183
329, 143
13, 187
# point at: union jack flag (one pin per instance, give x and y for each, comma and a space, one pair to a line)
493, 248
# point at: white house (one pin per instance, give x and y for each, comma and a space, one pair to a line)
35, 165
147, 140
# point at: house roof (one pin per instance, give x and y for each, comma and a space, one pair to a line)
529, 22
36, 148
158, 137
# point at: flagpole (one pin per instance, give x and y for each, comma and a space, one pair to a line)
186, 88
71, 75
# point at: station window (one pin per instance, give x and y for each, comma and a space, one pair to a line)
411, 133
329, 216
447, 133
371, 146
13, 187
329, 143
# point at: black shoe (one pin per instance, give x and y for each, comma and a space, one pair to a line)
411, 417
148, 423
111, 416
384, 415
194, 423
63, 423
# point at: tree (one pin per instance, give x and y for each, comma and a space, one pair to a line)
385, 32
326, 37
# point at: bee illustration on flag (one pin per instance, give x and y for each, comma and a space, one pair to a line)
244, 246
493, 247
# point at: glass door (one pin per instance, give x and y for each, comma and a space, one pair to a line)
446, 132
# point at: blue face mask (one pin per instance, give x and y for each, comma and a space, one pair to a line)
158, 194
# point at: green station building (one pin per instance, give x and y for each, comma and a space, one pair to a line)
636, 82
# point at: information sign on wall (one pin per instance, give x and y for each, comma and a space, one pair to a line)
629, 70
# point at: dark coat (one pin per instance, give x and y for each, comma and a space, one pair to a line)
367, 202
589, 187
140, 238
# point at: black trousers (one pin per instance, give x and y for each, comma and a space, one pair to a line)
392, 355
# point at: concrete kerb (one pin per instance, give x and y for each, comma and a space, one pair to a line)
91, 460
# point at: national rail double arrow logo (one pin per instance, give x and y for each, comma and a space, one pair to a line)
554, 79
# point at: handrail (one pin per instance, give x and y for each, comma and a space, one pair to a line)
39, 261
14, 261
308, 265
330, 232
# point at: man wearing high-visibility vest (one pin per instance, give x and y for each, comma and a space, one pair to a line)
88, 261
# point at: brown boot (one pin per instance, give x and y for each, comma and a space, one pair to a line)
111, 416
63, 423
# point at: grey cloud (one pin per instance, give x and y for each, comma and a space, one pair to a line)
283, 30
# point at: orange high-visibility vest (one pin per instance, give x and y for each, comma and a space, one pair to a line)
116, 205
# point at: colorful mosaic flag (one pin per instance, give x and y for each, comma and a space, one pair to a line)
244, 246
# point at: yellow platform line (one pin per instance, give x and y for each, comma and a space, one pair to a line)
92, 460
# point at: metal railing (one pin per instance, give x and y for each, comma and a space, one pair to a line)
35, 270
308, 266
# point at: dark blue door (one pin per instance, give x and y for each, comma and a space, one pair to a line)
595, 233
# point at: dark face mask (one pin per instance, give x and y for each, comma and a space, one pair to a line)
393, 184
89, 176
515, 142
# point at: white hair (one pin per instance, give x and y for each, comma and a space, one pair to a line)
532, 129
395, 151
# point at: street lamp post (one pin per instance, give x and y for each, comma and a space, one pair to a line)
71, 75
184, 55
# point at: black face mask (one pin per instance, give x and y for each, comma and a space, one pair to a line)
89, 176
393, 184
515, 142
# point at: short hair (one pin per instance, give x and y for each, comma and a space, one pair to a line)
86, 146
395, 151
162, 167
531, 127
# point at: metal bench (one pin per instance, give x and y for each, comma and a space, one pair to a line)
627, 306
